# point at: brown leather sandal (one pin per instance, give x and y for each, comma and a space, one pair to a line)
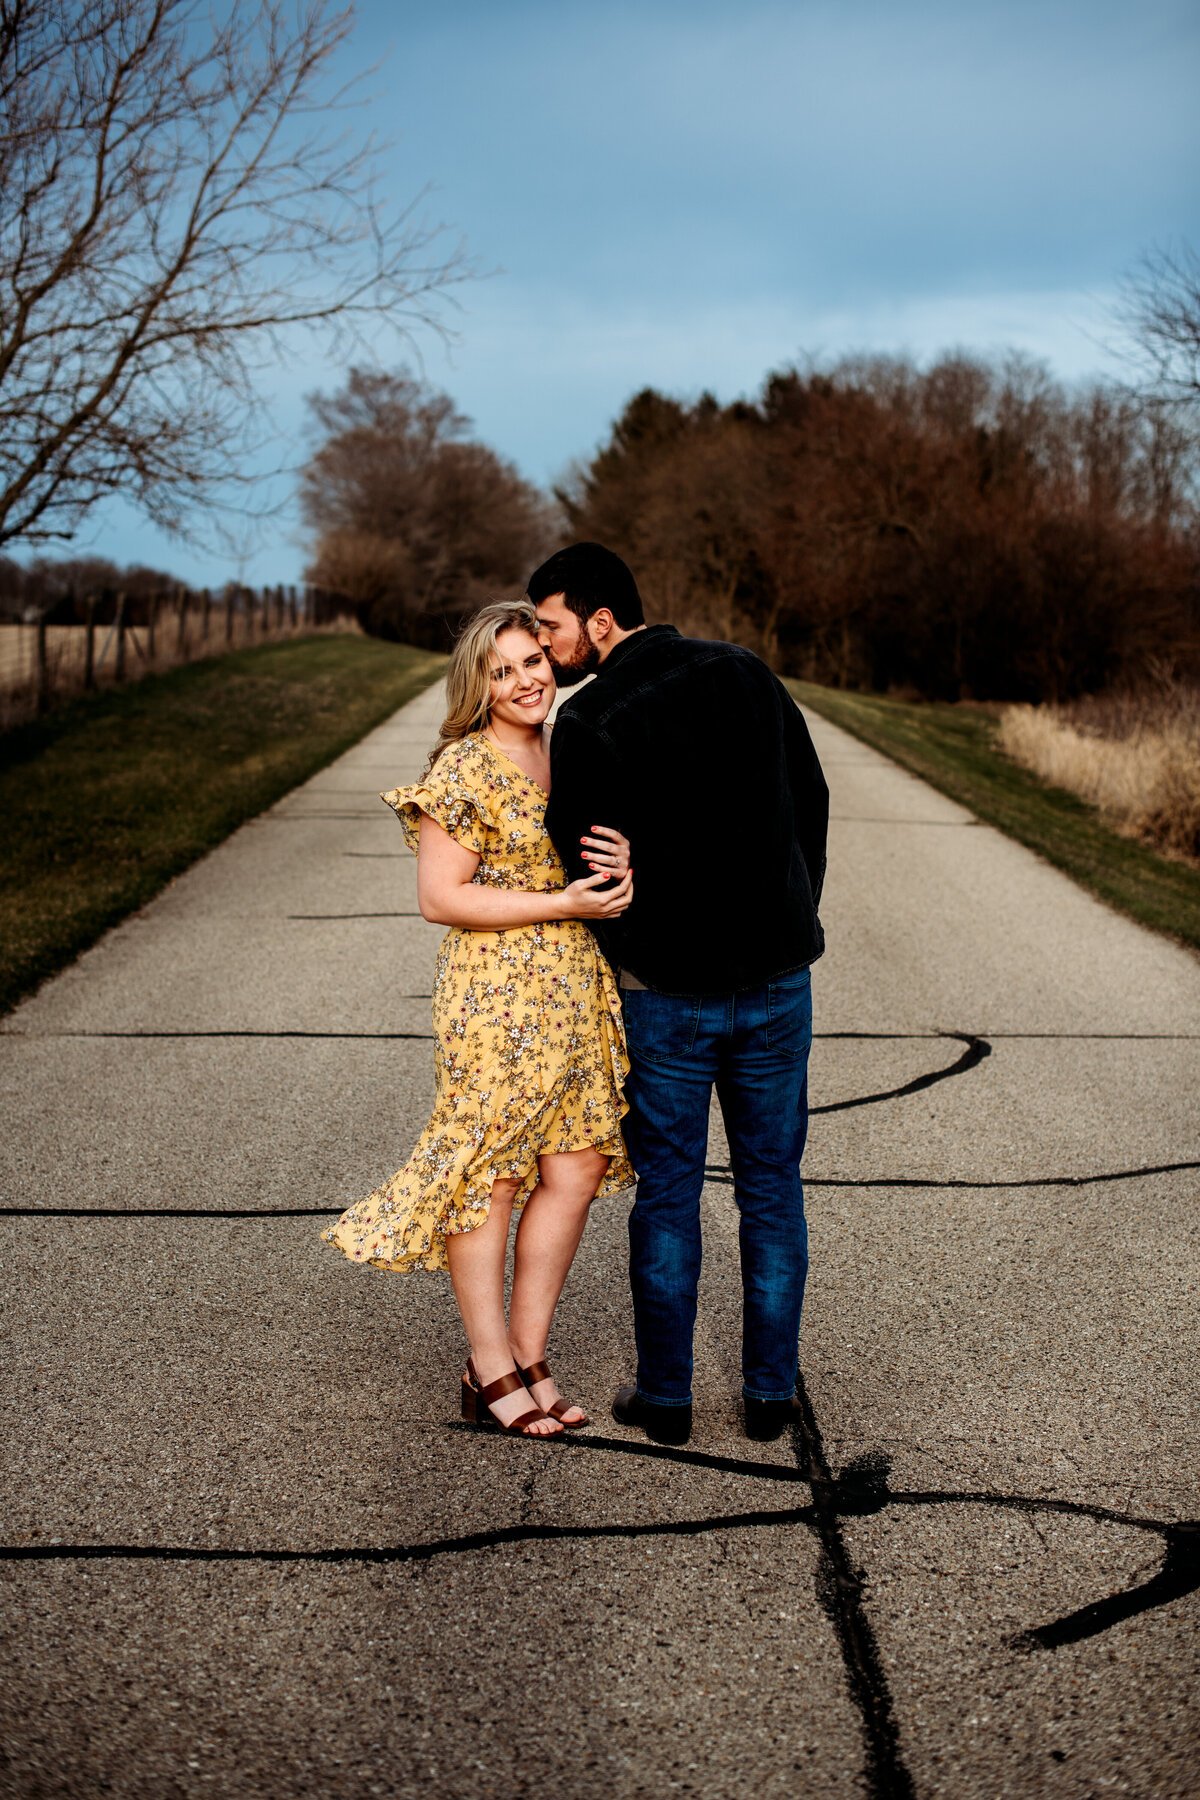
477, 1401
540, 1371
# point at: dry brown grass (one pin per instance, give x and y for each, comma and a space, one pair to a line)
1134, 756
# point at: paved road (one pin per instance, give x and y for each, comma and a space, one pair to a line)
249, 1552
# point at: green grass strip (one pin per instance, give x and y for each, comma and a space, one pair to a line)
107, 799
954, 749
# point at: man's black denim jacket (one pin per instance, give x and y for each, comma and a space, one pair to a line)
699, 754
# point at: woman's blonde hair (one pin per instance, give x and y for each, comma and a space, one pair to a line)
469, 677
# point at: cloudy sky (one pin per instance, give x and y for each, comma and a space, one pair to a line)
688, 193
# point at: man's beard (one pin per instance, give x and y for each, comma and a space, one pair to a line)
584, 661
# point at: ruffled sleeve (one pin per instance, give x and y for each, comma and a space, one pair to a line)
454, 796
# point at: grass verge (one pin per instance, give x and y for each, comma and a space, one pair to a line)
954, 749
113, 795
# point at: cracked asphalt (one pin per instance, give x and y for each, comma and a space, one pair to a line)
248, 1550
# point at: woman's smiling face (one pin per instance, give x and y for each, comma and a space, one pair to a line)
523, 687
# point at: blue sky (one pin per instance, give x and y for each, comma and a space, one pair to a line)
690, 194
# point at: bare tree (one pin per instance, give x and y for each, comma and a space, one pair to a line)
414, 522
178, 196
1161, 306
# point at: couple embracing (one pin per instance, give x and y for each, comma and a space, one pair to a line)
632, 902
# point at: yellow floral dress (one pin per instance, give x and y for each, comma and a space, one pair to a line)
530, 1049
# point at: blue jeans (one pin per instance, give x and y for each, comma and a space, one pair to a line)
754, 1046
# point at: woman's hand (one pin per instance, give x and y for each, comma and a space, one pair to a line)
581, 901
607, 850
448, 893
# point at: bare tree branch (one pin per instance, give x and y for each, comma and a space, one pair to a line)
1160, 306
177, 200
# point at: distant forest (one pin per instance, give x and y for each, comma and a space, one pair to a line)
55, 587
969, 531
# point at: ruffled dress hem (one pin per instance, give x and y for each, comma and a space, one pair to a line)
473, 1212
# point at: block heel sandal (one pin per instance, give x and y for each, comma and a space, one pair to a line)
540, 1371
477, 1401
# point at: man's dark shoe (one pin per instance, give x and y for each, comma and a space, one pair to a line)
767, 1420
665, 1424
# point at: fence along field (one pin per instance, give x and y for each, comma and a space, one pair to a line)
120, 637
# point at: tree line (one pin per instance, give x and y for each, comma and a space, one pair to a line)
56, 589
972, 530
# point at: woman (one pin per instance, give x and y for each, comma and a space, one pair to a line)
530, 1051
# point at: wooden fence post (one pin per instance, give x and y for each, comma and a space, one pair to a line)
89, 644
119, 671
43, 671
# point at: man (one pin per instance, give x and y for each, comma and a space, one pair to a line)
701, 757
